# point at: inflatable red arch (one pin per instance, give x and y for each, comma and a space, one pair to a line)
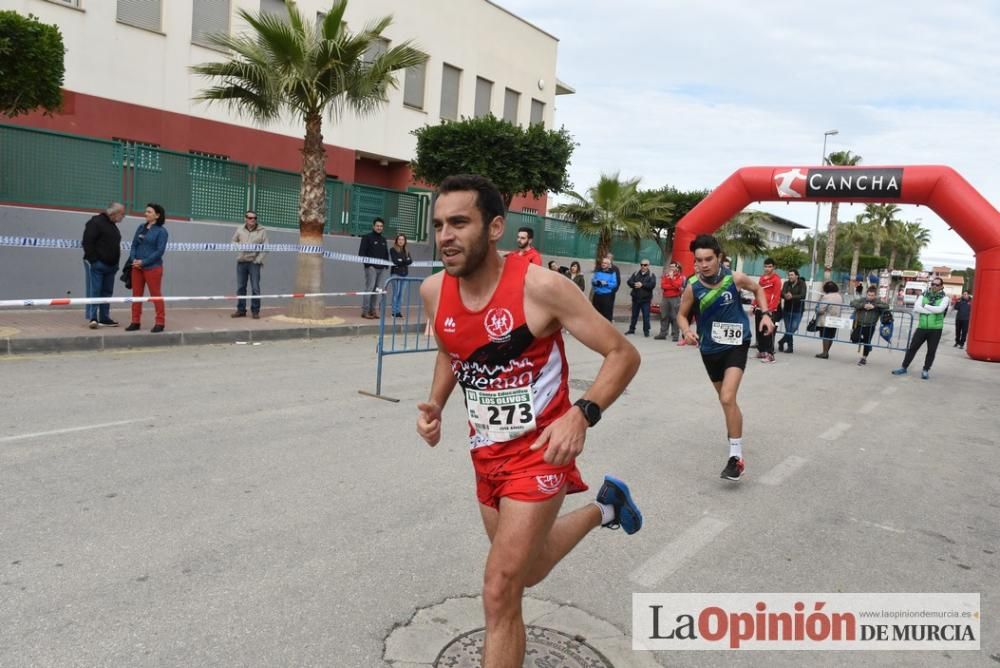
938, 187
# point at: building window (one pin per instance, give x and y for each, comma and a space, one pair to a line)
68, 3
378, 46
273, 7
537, 112
451, 77
141, 14
413, 86
210, 17
511, 98
484, 94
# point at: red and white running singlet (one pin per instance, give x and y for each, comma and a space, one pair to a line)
514, 384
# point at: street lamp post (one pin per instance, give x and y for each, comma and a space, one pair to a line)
812, 268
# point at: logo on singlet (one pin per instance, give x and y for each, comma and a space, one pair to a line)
498, 324
550, 484
449, 325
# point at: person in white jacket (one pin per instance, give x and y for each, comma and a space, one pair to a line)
931, 307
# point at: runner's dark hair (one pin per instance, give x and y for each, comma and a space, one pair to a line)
488, 198
706, 241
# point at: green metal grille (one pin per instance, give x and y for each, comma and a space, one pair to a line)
404, 213
188, 186
54, 169
276, 200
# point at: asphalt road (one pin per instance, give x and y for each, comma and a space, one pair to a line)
245, 506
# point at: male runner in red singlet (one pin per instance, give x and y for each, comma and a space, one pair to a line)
498, 322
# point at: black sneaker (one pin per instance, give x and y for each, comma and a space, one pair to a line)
660, 337
134, 327
107, 323
863, 361
734, 469
157, 329
630, 332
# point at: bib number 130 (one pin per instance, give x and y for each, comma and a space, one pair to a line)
501, 415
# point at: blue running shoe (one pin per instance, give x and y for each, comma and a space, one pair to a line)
925, 374
899, 372
627, 516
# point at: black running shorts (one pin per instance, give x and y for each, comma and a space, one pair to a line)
717, 363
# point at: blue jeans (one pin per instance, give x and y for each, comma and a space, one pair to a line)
244, 271
100, 283
373, 280
792, 322
643, 308
398, 288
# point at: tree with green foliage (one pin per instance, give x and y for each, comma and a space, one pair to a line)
681, 201
882, 218
839, 159
613, 209
788, 258
288, 65
31, 65
857, 234
518, 160
743, 236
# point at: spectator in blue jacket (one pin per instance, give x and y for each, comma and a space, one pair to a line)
146, 258
604, 284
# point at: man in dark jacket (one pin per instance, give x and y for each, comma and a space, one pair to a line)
101, 252
642, 282
794, 294
963, 310
373, 245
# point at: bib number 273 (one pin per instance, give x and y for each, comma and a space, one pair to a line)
501, 415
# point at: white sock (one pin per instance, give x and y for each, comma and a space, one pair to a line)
736, 447
607, 512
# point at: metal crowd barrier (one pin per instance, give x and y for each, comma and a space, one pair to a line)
899, 333
401, 336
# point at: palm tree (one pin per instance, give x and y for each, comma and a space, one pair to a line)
613, 209
915, 238
856, 234
742, 235
287, 65
882, 217
840, 159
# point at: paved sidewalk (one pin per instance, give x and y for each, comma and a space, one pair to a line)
55, 329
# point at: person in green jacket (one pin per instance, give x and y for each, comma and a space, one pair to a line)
930, 307
867, 315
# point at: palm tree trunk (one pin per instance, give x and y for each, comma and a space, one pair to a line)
854, 266
312, 216
892, 261
831, 241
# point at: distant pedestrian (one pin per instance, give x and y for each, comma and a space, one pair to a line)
146, 258
771, 283
553, 265
374, 246
576, 274
525, 246
963, 311
672, 284
867, 318
248, 264
603, 283
102, 241
794, 294
829, 307
399, 254
642, 282
931, 307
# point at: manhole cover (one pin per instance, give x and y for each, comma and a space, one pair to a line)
546, 648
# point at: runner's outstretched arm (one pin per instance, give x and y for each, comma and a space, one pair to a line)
443, 381
567, 307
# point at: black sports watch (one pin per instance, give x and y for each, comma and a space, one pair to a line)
591, 411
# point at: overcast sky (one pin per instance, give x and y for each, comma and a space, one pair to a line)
684, 93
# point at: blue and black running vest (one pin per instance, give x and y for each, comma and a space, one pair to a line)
718, 304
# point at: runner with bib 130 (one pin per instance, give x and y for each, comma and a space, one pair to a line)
713, 292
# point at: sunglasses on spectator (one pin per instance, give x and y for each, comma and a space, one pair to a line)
644, 264
251, 217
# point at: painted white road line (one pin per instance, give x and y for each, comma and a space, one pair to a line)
835, 432
784, 469
70, 430
869, 407
890, 390
669, 559
884, 527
